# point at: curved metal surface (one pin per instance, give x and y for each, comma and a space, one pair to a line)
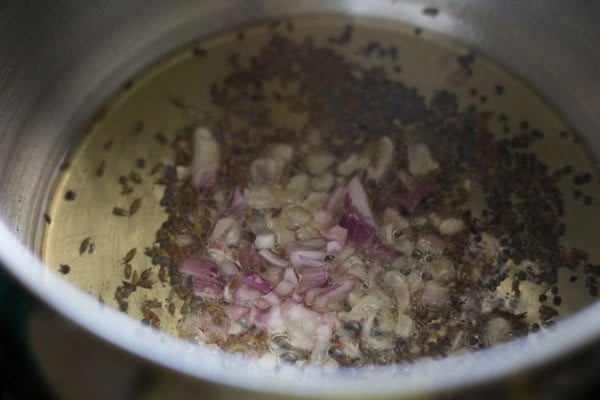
61, 59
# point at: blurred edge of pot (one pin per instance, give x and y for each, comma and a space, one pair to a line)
61, 59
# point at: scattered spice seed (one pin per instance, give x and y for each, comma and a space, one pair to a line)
100, 169
499, 89
127, 271
160, 138
64, 166
65, 269
431, 11
162, 274
70, 195
129, 256
135, 279
84, 245
135, 205
135, 177
47, 218
126, 189
172, 308
107, 145
120, 212
199, 52
140, 162
91, 248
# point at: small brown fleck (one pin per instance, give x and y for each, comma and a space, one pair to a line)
65, 269
47, 218
84, 245
135, 206
431, 11
100, 169
162, 274
108, 145
172, 308
135, 177
64, 166
140, 162
91, 248
126, 189
138, 127
70, 195
127, 271
160, 138
135, 279
129, 256
118, 211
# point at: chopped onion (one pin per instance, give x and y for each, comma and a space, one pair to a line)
227, 231
206, 158
431, 244
200, 267
284, 288
420, 161
256, 281
313, 276
245, 292
267, 170
358, 231
207, 288
434, 295
237, 311
265, 240
300, 258
237, 203
356, 201
272, 259
247, 254
332, 296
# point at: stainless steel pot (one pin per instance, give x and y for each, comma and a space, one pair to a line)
59, 60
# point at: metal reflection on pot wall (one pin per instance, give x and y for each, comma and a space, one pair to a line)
77, 73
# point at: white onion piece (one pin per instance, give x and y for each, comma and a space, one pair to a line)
322, 217
289, 275
358, 201
206, 158
272, 298
284, 288
237, 203
384, 155
434, 295
237, 311
267, 170
451, 226
301, 323
324, 334
431, 244
420, 161
334, 247
246, 293
227, 231
229, 268
331, 297
300, 258
272, 258
265, 240
271, 320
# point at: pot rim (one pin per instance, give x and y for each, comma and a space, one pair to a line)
203, 362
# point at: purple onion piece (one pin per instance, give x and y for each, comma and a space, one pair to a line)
255, 281
312, 277
411, 200
200, 267
356, 201
208, 288
358, 231
273, 259
205, 178
237, 204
